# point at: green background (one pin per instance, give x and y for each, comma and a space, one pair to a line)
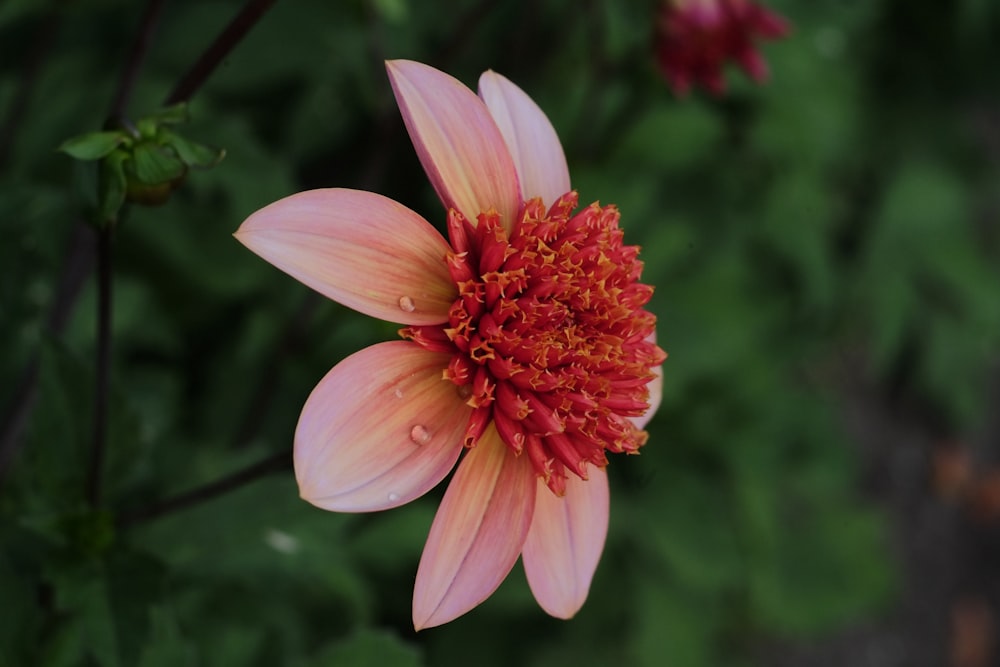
825, 254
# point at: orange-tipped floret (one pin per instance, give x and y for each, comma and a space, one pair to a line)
549, 334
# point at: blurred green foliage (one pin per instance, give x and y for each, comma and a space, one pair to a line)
836, 221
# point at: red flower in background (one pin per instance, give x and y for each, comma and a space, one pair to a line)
695, 38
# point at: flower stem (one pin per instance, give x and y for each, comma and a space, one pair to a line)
105, 232
274, 463
76, 267
102, 385
77, 264
219, 49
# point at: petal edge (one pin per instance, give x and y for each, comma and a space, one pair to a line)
457, 141
358, 248
533, 143
477, 533
565, 542
380, 429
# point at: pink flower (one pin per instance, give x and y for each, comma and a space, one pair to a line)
695, 38
526, 345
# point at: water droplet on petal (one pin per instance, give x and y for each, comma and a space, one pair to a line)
420, 435
406, 303
393, 497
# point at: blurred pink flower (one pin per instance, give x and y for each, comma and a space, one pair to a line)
526, 344
695, 39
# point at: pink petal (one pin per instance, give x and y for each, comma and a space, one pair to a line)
381, 429
565, 542
457, 141
655, 398
477, 533
533, 143
655, 387
358, 248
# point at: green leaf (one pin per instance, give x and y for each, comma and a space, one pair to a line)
191, 153
154, 165
111, 186
93, 145
174, 115
147, 128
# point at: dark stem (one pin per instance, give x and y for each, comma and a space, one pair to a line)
102, 373
219, 49
147, 25
75, 268
102, 386
80, 255
77, 264
273, 463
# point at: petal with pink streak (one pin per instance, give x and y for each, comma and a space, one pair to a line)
381, 429
477, 533
655, 387
457, 141
565, 542
533, 143
361, 249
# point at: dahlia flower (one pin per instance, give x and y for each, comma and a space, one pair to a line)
526, 346
695, 39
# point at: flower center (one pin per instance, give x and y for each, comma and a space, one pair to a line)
548, 335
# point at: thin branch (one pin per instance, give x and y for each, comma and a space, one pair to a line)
219, 49
102, 374
75, 271
80, 257
102, 386
271, 464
